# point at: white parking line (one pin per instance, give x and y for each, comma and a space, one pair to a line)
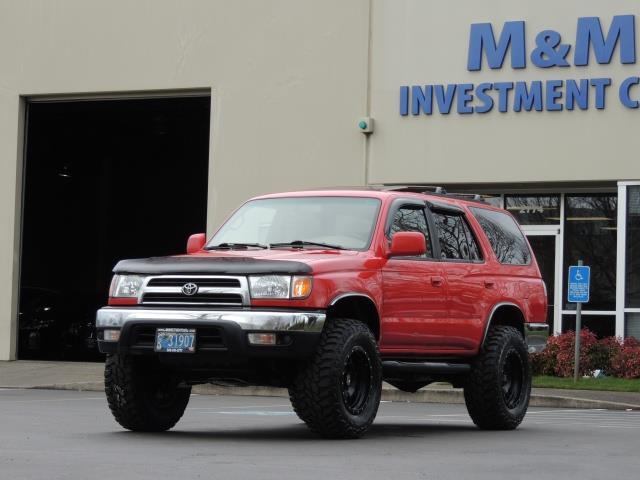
259, 413
241, 407
48, 400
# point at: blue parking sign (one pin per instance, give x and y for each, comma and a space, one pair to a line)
579, 278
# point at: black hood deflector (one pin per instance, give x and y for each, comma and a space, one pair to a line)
210, 266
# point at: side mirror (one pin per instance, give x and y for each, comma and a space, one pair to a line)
196, 242
408, 244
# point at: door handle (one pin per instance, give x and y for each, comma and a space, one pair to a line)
489, 284
437, 281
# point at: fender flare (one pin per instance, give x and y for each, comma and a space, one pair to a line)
373, 323
337, 298
492, 313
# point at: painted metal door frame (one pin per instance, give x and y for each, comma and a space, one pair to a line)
552, 231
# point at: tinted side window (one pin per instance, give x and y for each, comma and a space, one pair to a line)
505, 237
407, 219
456, 239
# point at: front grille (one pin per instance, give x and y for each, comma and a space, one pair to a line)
207, 338
199, 298
201, 282
221, 290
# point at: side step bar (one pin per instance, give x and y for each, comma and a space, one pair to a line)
393, 367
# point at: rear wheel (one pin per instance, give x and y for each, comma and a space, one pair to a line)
141, 395
499, 386
337, 394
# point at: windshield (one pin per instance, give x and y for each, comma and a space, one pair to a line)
343, 222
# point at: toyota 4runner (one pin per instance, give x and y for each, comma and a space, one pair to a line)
328, 293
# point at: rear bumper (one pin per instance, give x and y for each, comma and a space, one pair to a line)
536, 335
221, 334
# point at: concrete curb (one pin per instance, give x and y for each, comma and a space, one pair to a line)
428, 395
555, 401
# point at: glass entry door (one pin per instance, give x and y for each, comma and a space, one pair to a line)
545, 245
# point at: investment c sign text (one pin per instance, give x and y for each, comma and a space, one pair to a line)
617, 43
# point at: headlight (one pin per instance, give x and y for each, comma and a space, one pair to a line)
280, 286
126, 285
270, 286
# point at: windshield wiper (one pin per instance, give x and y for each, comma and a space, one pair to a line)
230, 246
304, 243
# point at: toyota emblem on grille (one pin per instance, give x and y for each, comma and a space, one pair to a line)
190, 289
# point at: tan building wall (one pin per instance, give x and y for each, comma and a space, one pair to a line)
287, 82
417, 43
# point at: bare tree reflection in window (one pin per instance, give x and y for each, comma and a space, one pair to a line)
506, 239
411, 220
456, 239
591, 236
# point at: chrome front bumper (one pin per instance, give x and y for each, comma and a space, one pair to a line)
115, 317
536, 335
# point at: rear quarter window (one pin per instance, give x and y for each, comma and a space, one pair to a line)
504, 235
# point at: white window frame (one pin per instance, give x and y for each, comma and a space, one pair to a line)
621, 273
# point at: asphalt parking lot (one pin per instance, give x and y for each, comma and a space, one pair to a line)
67, 435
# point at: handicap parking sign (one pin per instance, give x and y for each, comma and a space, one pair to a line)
579, 278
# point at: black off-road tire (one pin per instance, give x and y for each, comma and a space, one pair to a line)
141, 395
499, 385
337, 393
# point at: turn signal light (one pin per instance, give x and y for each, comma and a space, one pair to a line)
111, 335
262, 338
301, 287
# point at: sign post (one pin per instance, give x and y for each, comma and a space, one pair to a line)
578, 293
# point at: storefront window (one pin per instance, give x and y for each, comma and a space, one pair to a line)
633, 248
494, 200
590, 235
534, 209
632, 325
601, 325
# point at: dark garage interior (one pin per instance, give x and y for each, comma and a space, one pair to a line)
104, 180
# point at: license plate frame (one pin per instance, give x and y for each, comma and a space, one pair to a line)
175, 340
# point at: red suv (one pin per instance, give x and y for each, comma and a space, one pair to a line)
328, 293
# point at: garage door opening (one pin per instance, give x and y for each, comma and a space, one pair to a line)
104, 180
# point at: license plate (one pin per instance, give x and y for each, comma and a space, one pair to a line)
175, 340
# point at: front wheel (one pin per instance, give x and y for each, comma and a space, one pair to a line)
338, 393
498, 388
142, 396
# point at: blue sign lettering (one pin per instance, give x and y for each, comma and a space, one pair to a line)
624, 92
481, 95
549, 51
527, 98
553, 93
444, 99
421, 99
590, 34
601, 85
481, 39
577, 94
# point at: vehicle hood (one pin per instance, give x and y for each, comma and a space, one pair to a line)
237, 262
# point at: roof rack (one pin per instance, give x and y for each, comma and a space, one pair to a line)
434, 190
415, 189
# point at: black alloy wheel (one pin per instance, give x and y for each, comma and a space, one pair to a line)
337, 393
498, 387
513, 372
357, 378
